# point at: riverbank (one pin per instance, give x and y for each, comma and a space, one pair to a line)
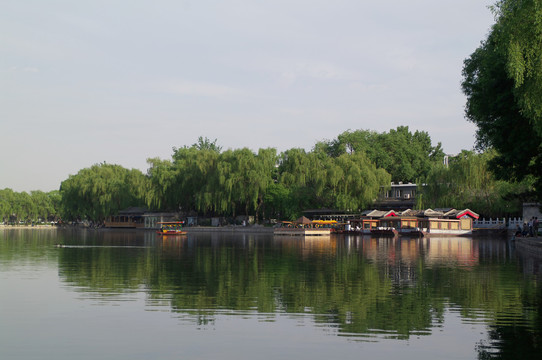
191, 229
15, 227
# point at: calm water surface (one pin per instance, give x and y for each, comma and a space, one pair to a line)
133, 295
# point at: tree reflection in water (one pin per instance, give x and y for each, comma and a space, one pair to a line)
364, 288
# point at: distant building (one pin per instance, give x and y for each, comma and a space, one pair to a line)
400, 196
128, 218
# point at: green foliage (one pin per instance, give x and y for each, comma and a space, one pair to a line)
519, 33
347, 182
206, 144
502, 82
37, 206
100, 191
343, 174
203, 179
469, 183
360, 290
210, 182
406, 156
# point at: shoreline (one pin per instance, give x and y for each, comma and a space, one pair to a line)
28, 227
195, 229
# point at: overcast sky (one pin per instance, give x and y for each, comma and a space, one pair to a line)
83, 82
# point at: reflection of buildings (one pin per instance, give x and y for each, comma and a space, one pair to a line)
400, 258
308, 245
451, 250
433, 251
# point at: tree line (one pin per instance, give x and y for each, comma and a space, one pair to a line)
36, 206
346, 174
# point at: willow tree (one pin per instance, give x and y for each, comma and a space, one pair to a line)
347, 182
201, 178
162, 181
468, 182
304, 174
22, 207
36, 206
519, 32
355, 181
101, 190
44, 207
13, 205
502, 80
7, 199
263, 176
245, 177
196, 178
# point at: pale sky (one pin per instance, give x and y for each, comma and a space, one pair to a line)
83, 82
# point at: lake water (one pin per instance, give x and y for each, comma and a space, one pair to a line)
133, 295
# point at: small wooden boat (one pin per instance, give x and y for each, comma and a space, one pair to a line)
170, 228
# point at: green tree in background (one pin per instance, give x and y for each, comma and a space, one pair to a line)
405, 155
519, 33
203, 179
102, 190
347, 182
162, 177
469, 183
502, 82
206, 144
35, 207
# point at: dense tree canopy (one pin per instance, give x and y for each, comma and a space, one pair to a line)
469, 183
405, 155
101, 190
519, 34
502, 82
344, 174
37, 206
203, 179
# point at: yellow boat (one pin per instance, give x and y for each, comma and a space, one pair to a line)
171, 228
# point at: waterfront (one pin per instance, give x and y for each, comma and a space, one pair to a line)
133, 295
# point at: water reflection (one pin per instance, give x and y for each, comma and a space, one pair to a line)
362, 288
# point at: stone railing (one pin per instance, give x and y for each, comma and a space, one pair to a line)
498, 223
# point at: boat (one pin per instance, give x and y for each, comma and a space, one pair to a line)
359, 226
304, 227
386, 225
438, 222
169, 228
412, 223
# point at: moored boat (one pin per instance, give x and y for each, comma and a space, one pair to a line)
304, 227
171, 228
413, 223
